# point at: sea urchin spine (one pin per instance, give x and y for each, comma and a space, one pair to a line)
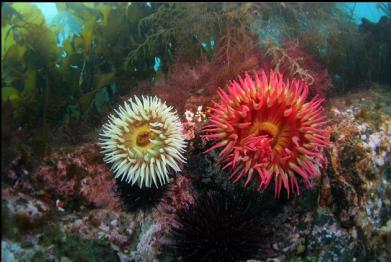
267, 129
143, 141
219, 227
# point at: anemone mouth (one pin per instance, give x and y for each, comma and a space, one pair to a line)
262, 128
139, 136
143, 138
276, 132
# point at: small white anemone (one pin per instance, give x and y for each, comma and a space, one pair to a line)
143, 141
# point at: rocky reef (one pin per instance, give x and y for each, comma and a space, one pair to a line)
61, 201
66, 208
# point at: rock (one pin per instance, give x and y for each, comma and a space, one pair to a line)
13, 251
78, 178
23, 211
330, 242
360, 159
117, 227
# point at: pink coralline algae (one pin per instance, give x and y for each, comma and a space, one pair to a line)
78, 174
179, 194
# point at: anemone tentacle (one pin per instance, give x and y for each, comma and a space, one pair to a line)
264, 125
142, 140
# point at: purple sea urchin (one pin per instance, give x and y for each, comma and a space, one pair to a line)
135, 198
218, 227
143, 141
